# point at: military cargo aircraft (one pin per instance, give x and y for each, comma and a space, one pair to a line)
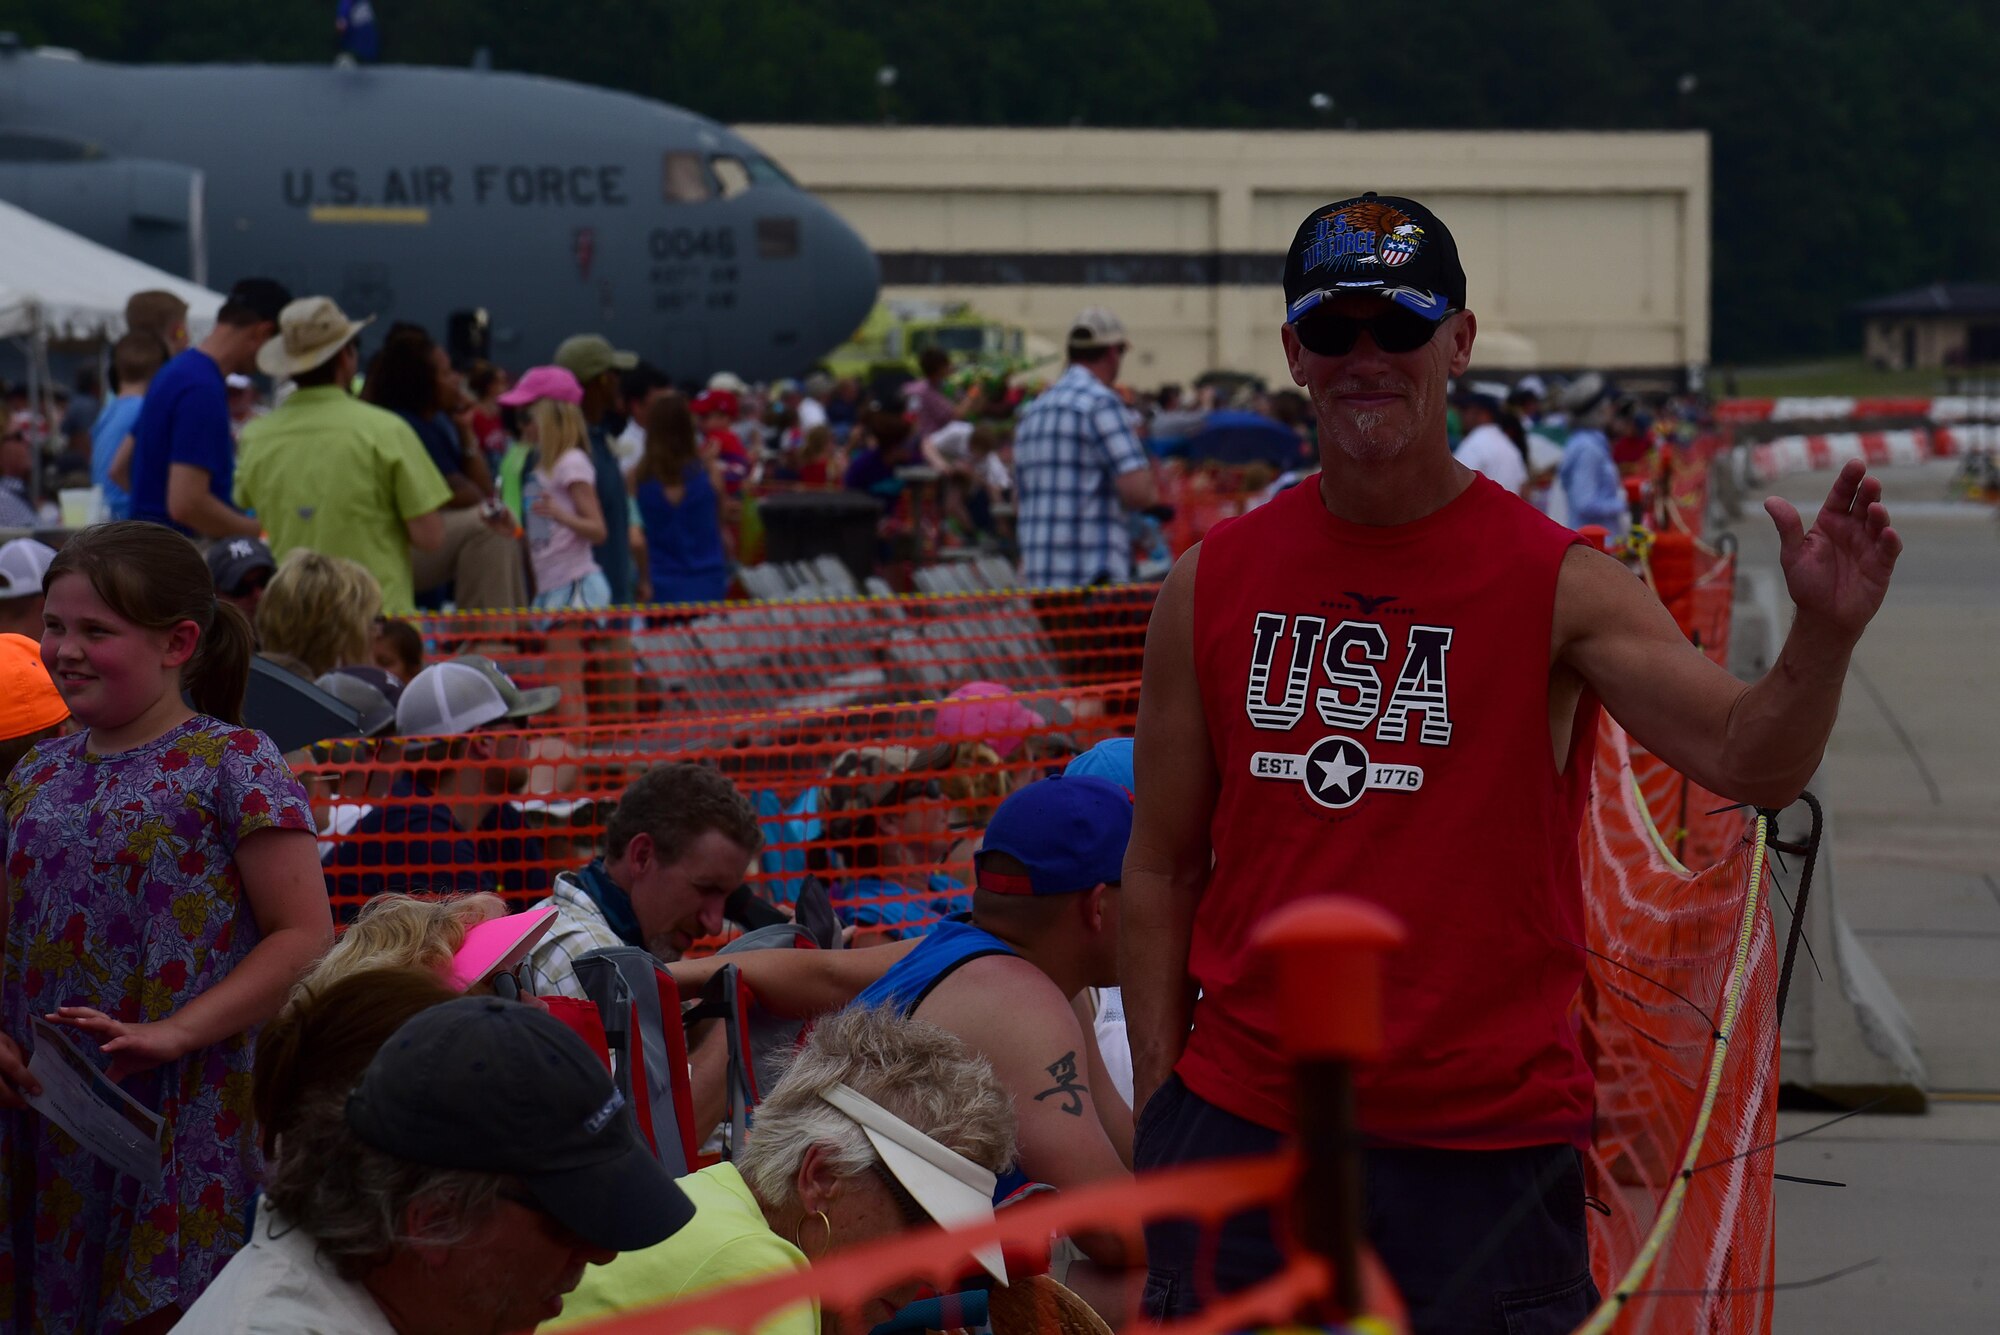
484, 205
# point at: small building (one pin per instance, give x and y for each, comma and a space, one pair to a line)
1942, 325
1581, 249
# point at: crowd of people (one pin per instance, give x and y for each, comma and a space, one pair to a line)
593, 480
417, 1125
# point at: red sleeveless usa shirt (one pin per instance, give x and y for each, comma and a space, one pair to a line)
1377, 706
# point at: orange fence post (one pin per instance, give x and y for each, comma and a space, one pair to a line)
1327, 955
1672, 564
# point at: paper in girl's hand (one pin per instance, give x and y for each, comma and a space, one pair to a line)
97, 1114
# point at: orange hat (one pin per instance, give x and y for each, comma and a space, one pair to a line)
29, 700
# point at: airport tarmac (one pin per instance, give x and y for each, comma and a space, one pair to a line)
1913, 791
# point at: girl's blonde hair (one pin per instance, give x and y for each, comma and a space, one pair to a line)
321, 610
559, 428
396, 931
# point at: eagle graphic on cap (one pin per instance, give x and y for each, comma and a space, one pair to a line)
1365, 232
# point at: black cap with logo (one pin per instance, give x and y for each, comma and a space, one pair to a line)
496, 1086
233, 560
1374, 244
262, 297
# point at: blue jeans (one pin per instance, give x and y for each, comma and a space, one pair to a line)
1427, 1213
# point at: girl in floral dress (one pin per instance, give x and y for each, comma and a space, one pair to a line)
163, 893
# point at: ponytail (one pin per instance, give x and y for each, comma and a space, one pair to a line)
219, 673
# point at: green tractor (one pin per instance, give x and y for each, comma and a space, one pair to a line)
884, 350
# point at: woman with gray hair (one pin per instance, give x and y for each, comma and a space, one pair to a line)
880, 1124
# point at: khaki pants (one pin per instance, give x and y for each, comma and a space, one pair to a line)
482, 565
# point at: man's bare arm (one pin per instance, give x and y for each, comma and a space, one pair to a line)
1112, 1111
120, 470
796, 984
1009, 1012
190, 502
1167, 861
1758, 743
1137, 489
426, 530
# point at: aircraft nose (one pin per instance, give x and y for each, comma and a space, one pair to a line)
846, 279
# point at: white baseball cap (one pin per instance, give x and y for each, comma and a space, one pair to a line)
446, 700
24, 563
1095, 327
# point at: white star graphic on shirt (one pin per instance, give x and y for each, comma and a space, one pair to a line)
1341, 764
1337, 772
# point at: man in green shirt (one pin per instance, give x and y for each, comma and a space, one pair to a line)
332, 474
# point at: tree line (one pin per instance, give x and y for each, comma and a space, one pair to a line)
1851, 141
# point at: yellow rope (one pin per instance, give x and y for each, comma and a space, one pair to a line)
1670, 1208
1653, 831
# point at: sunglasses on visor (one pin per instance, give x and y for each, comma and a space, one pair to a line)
1393, 330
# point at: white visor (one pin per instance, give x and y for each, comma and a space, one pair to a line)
952, 1189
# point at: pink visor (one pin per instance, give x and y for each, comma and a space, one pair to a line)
497, 945
544, 382
986, 711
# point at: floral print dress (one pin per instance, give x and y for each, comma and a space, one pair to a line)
123, 894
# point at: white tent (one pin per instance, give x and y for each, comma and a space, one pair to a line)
56, 287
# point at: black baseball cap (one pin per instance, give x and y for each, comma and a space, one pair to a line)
1380, 244
496, 1086
232, 560
264, 297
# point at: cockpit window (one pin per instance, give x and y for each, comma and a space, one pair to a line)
731, 174
763, 171
684, 180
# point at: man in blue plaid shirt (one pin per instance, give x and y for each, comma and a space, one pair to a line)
1078, 467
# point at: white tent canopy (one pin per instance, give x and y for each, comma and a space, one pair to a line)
55, 286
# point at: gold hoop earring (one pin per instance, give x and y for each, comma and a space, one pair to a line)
798, 1236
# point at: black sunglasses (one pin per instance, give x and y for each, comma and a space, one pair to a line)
1393, 330
254, 582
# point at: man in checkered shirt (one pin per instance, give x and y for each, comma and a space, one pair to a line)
1078, 467
679, 842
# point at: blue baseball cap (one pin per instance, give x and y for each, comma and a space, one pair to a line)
1110, 760
1070, 833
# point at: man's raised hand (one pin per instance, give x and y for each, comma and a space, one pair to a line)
1838, 572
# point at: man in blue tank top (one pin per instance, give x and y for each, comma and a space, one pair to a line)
1043, 928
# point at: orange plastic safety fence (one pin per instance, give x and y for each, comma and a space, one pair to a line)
1205, 495
883, 803
1668, 947
646, 662
846, 1286
1677, 1020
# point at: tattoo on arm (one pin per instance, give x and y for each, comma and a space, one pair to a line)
1067, 1085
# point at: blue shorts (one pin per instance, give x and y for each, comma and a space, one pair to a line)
1427, 1213
593, 590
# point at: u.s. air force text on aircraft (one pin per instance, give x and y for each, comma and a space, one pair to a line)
517, 184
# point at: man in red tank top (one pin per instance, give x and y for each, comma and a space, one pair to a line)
1385, 684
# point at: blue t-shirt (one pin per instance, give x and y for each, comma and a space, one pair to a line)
113, 425
1590, 483
412, 846
440, 441
684, 542
184, 419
